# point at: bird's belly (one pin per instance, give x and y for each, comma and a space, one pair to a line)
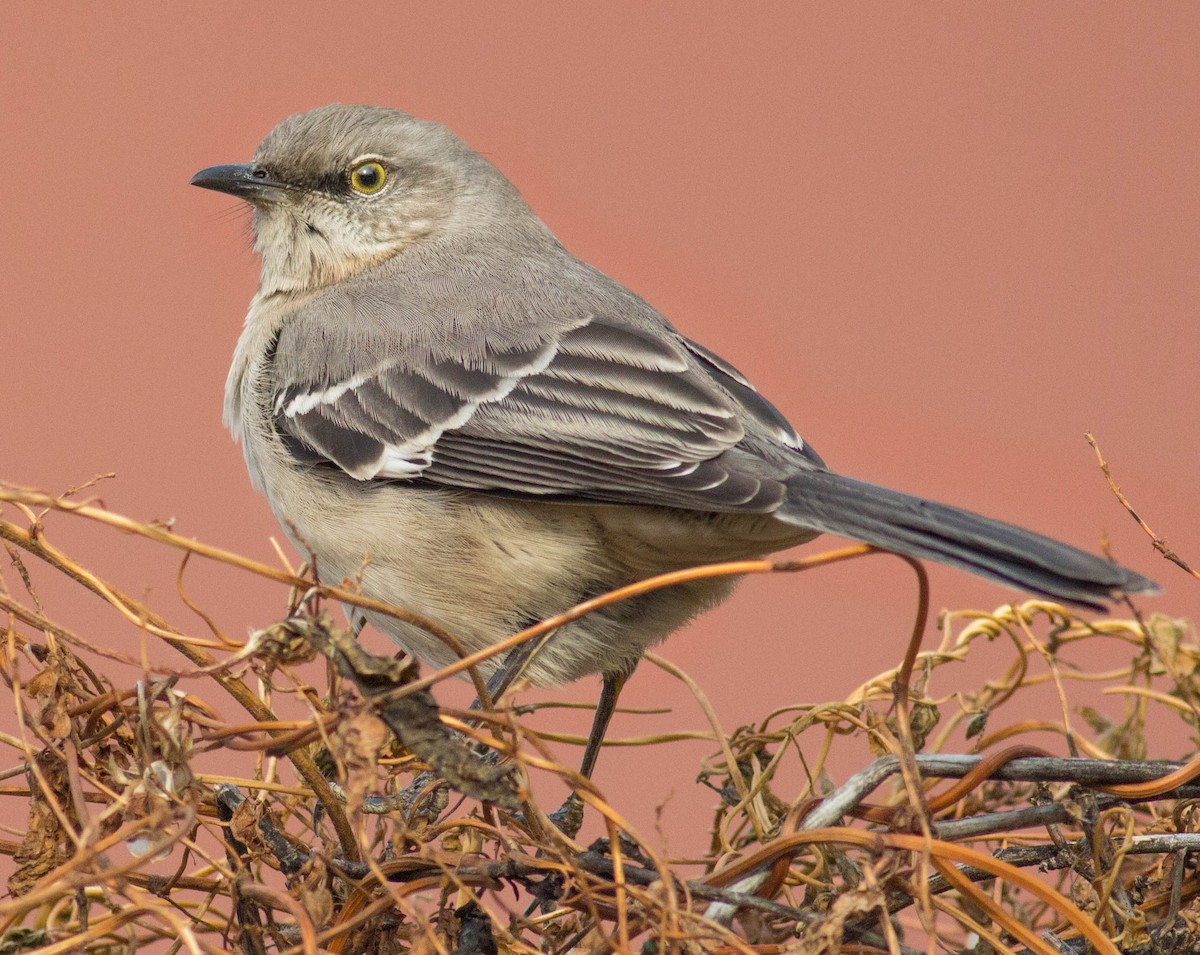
484, 567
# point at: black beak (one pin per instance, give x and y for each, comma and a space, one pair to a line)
246, 181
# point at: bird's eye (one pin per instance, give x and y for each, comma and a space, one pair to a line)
368, 178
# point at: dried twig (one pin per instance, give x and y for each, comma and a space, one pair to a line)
264, 858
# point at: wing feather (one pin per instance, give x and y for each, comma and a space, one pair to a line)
588, 406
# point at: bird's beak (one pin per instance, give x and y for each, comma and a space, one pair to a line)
246, 181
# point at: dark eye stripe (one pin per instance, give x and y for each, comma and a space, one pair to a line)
333, 183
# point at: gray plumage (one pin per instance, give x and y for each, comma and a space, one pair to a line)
442, 402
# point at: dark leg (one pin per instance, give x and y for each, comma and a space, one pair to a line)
610, 690
513, 666
569, 816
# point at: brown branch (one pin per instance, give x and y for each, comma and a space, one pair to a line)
1157, 542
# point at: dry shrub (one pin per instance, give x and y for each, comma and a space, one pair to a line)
375, 824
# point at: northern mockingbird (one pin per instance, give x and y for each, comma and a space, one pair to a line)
438, 399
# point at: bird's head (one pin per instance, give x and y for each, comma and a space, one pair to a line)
340, 189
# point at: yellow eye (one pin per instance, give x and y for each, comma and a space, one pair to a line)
368, 178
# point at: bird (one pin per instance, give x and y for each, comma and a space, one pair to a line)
443, 404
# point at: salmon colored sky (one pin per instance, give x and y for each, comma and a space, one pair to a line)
945, 241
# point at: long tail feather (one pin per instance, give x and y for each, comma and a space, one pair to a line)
910, 525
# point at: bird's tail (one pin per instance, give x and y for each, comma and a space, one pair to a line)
909, 525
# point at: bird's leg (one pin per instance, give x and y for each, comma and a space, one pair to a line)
505, 675
612, 684
513, 666
568, 817
610, 690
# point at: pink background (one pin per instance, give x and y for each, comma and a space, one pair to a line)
945, 241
